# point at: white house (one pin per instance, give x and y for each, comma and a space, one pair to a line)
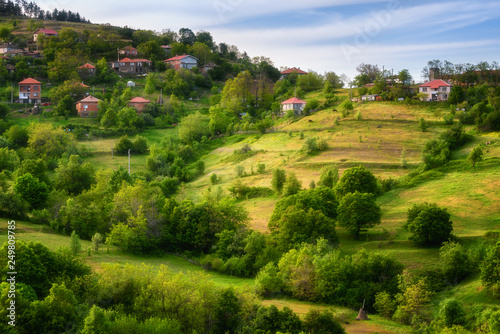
184, 61
435, 90
295, 104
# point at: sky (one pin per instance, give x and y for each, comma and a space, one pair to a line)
322, 35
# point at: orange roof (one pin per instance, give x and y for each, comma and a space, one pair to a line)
293, 70
29, 81
128, 60
139, 100
90, 98
180, 57
82, 84
87, 66
294, 100
129, 48
434, 84
46, 31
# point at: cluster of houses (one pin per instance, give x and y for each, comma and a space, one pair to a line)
30, 89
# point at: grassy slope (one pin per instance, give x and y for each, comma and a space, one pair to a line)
376, 141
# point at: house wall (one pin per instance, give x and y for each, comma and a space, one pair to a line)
139, 106
87, 109
440, 94
30, 93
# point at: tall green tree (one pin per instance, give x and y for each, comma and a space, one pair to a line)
357, 212
278, 180
32, 190
356, 179
329, 176
428, 224
74, 176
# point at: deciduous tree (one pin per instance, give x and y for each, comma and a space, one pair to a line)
358, 211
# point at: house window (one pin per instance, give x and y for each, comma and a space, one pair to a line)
35, 94
35, 87
444, 89
85, 106
424, 89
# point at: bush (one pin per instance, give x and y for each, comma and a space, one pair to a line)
148, 119
422, 125
428, 224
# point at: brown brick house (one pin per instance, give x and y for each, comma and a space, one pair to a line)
88, 107
139, 104
30, 91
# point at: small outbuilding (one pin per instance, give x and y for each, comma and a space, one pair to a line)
130, 84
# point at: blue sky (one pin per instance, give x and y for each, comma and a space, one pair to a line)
322, 35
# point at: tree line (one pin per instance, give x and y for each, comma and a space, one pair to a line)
32, 10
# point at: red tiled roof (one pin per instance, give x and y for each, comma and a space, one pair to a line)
139, 100
129, 48
434, 84
293, 70
82, 84
166, 47
90, 98
46, 31
294, 100
128, 60
3, 57
179, 58
29, 81
88, 66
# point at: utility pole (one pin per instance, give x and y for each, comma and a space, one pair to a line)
129, 161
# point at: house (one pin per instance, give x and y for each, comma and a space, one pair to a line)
129, 51
87, 70
88, 107
294, 104
167, 49
10, 68
4, 48
375, 97
138, 103
435, 90
207, 67
289, 71
43, 31
132, 66
184, 61
30, 91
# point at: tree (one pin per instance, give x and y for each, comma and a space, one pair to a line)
97, 240
422, 124
454, 262
356, 179
75, 245
193, 127
321, 322
66, 107
457, 95
17, 136
476, 155
150, 87
74, 176
278, 180
32, 190
358, 212
4, 110
405, 77
414, 301
64, 67
292, 185
9, 160
46, 140
329, 176
451, 312
490, 269
428, 224
186, 36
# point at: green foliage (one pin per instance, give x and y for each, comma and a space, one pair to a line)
347, 107
357, 212
4, 110
435, 153
312, 145
490, 270
454, 262
329, 176
73, 176
321, 322
278, 180
428, 224
422, 125
356, 179
298, 225
261, 168
37, 168
292, 185
75, 245
413, 301
213, 179
47, 141
9, 160
241, 191
139, 145
97, 240
476, 155
384, 304
32, 190
17, 136
240, 170
193, 127
269, 319
451, 312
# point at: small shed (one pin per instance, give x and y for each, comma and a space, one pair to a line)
130, 84
374, 97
